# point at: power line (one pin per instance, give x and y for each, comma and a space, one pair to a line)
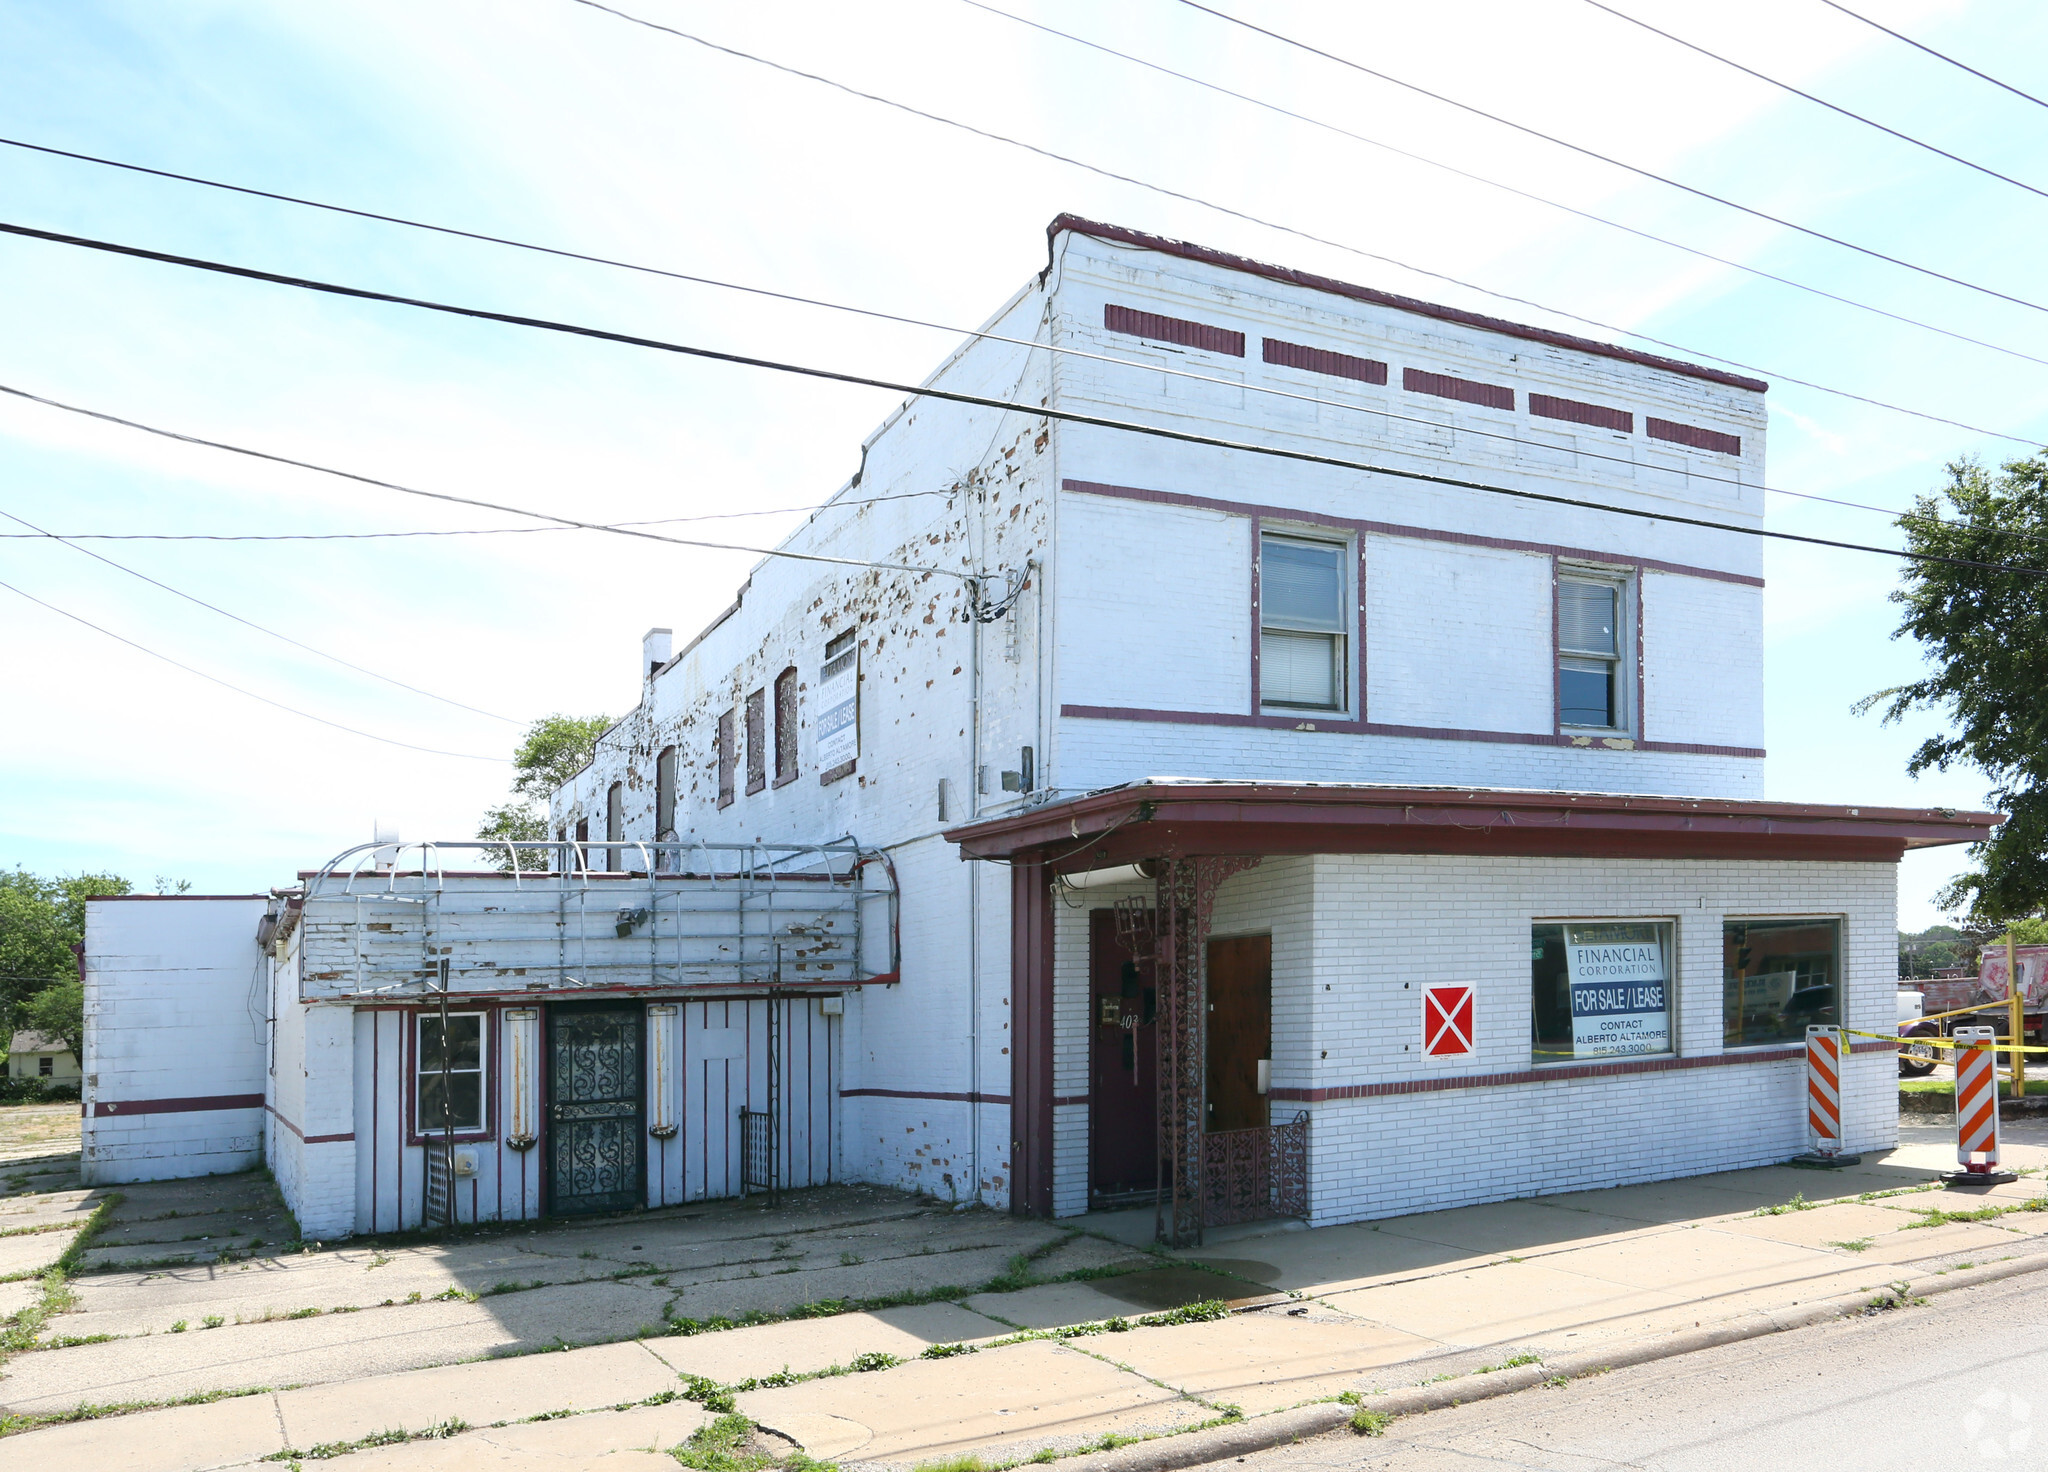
1169, 193
239, 690
1937, 55
1507, 188
923, 391
905, 320
1640, 172
1818, 101
471, 531
367, 480
252, 624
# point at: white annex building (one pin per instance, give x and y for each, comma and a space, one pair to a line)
1236, 743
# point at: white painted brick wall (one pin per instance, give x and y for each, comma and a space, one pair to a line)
1703, 661
175, 1010
1457, 637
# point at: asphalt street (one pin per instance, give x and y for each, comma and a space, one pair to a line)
1961, 1381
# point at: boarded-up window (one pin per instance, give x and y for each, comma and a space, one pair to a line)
615, 824
728, 756
838, 707
785, 726
665, 795
757, 741
582, 853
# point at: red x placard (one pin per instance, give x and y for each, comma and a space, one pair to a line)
1447, 1020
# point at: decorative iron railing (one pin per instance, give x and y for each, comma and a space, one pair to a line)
1250, 1175
757, 1152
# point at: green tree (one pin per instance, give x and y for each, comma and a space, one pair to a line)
58, 1011
554, 749
40, 921
1985, 634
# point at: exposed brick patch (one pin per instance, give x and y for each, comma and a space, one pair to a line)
1697, 438
1174, 330
1464, 390
1321, 360
1544, 406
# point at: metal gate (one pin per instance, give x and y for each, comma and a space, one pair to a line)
597, 1161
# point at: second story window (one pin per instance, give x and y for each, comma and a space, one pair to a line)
665, 794
728, 756
1304, 660
757, 741
785, 726
614, 823
1590, 688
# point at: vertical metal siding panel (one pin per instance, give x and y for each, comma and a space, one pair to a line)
376, 1080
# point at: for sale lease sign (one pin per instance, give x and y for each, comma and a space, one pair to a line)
1620, 990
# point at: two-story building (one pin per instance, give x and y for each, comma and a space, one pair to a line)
1240, 742
1350, 710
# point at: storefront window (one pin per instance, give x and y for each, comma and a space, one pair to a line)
1601, 989
1777, 977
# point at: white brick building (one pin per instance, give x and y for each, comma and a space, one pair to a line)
1449, 655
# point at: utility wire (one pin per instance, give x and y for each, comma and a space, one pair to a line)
1640, 172
922, 391
240, 690
387, 485
901, 319
1836, 108
252, 624
471, 531
1168, 193
1506, 188
1937, 55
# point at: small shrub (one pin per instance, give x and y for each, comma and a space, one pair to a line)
1370, 1423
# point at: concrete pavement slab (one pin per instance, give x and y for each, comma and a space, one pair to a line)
1696, 1262
1923, 1244
1695, 1198
32, 1252
808, 1345
248, 1190
1041, 1393
1518, 1228
1845, 1222
480, 1393
1503, 1304
782, 1292
1332, 1259
52, 1206
14, 1297
1262, 1361
1080, 1252
319, 1350
1052, 1305
274, 1226
225, 1433
605, 1441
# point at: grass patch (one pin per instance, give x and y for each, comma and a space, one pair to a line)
1370, 1423
1935, 1216
1856, 1244
1797, 1203
19, 1333
1946, 1088
453, 1426
722, 1447
11, 1425
1512, 1362
966, 1462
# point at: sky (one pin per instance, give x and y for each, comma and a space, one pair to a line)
559, 123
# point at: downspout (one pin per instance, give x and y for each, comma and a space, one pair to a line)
973, 899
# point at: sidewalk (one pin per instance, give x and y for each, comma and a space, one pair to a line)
1361, 1309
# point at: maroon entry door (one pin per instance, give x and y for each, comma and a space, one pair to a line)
1123, 1073
1240, 1029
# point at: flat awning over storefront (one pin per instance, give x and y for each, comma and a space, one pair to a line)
1189, 818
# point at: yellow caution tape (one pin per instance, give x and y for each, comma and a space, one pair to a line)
1947, 1042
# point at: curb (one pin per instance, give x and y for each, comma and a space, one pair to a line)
1167, 1454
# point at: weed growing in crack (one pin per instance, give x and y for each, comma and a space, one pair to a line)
722, 1447
1370, 1423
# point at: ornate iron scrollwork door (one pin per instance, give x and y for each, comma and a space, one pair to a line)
596, 1160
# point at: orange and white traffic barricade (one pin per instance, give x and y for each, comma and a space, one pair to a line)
1977, 1107
1824, 1050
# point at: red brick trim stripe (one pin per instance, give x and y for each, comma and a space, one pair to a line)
1396, 529
1547, 1075
306, 1139
1464, 390
1174, 330
1382, 728
124, 1108
1321, 360
1693, 436
928, 1094
1544, 406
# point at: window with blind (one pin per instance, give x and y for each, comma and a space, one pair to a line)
1303, 648
1590, 688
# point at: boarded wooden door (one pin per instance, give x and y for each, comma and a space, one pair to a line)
1240, 1029
1123, 1076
